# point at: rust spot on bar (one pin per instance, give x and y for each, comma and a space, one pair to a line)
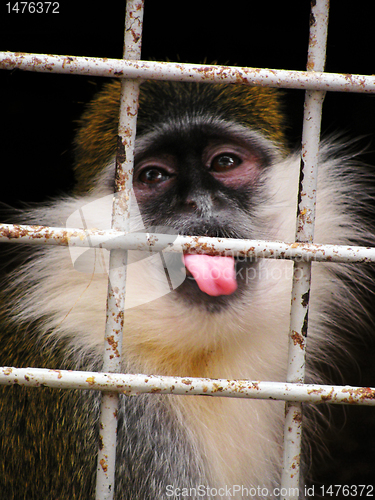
113, 343
103, 465
121, 154
217, 388
297, 418
101, 445
59, 375
328, 397
366, 393
314, 391
361, 394
297, 339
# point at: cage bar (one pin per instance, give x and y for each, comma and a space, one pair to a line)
118, 257
183, 72
304, 234
154, 242
134, 384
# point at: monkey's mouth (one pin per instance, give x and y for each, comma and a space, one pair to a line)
214, 275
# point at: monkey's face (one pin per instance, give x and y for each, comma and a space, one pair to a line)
203, 166
200, 176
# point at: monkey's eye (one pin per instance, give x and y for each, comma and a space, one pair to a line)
225, 162
153, 176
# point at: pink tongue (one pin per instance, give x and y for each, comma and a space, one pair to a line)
214, 275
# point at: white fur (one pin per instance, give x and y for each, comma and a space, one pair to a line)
241, 440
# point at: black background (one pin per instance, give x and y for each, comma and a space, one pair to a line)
38, 111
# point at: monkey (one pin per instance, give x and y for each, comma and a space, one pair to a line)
210, 160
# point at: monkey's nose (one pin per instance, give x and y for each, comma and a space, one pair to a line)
192, 204
199, 203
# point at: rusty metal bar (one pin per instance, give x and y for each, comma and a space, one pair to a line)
304, 234
118, 257
133, 384
113, 239
118, 68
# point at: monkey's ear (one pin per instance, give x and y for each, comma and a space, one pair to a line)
95, 141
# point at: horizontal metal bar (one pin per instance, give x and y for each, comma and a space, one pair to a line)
133, 384
111, 239
118, 68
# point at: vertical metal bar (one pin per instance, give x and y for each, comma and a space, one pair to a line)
304, 233
118, 258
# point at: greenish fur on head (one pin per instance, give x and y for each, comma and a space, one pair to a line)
95, 142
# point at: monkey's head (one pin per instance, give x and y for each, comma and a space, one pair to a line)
203, 152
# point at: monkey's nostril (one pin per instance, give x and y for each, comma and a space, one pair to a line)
191, 203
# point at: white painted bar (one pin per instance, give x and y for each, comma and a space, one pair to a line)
183, 72
308, 181
111, 239
135, 384
106, 463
